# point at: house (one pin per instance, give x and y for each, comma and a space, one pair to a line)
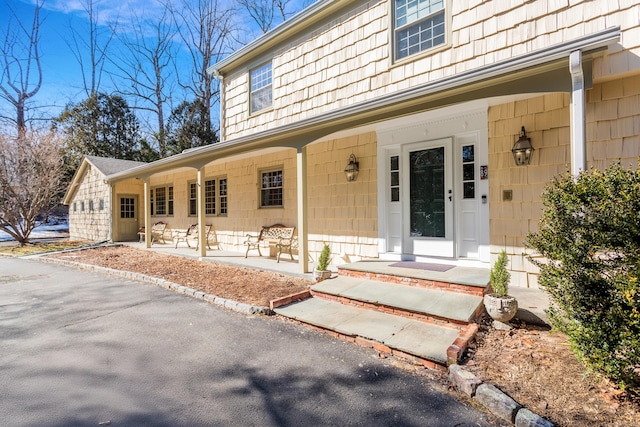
427, 98
92, 201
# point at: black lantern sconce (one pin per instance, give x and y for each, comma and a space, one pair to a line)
352, 169
522, 149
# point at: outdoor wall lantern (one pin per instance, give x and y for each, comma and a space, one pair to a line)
522, 149
352, 169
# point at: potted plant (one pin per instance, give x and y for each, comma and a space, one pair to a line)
499, 304
321, 271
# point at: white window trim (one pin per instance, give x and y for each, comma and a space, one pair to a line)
427, 52
252, 110
217, 197
154, 202
261, 172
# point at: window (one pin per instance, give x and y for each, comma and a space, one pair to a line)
193, 199
271, 189
261, 91
161, 199
90, 205
394, 178
82, 206
419, 25
210, 197
468, 172
223, 195
215, 194
127, 207
75, 207
101, 205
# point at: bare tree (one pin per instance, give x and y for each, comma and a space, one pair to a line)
21, 76
268, 13
205, 28
93, 43
30, 181
145, 68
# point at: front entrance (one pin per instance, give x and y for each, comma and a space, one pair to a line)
434, 193
428, 212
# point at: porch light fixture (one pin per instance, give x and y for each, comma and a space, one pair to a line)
522, 149
352, 169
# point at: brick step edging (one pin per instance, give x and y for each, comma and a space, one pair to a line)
416, 282
396, 311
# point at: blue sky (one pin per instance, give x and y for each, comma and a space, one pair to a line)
62, 78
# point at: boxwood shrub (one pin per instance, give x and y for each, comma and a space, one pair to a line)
589, 239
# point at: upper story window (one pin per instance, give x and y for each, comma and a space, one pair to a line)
261, 89
419, 25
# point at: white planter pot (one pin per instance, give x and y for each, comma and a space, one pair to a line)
499, 308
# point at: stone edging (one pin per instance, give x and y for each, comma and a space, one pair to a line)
223, 302
494, 400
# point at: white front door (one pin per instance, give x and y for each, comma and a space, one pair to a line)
429, 197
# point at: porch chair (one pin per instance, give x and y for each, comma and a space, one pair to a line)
158, 232
186, 235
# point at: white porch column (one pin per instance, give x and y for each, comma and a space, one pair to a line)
202, 238
303, 240
147, 213
578, 114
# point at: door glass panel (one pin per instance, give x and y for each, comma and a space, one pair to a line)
427, 201
468, 172
395, 179
127, 207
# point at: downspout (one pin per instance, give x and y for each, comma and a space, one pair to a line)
578, 114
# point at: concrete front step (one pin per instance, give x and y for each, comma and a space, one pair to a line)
460, 279
431, 305
394, 333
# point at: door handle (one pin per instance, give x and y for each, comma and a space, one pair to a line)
450, 196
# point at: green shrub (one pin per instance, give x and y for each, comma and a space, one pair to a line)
590, 236
500, 276
324, 259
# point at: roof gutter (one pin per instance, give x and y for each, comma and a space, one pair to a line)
304, 131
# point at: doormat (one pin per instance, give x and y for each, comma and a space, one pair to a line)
423, 266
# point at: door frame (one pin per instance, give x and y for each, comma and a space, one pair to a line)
119, 219
458, 123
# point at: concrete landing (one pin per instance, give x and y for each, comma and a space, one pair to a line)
437, 303
413, 337
470, 276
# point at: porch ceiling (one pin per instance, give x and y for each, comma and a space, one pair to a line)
545, 70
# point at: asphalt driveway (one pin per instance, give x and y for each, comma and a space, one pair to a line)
83, 349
